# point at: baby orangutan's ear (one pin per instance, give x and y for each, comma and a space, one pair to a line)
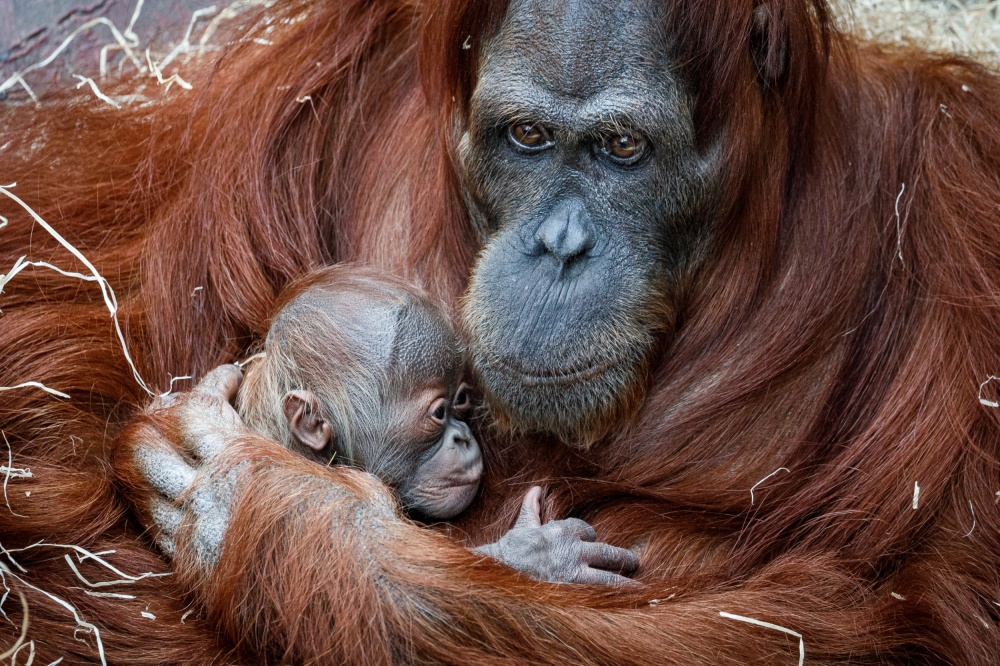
305, 422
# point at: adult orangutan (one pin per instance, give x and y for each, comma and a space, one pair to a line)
735, 298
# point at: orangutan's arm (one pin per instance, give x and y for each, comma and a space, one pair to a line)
300, 563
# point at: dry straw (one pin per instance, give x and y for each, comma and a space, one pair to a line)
969, 27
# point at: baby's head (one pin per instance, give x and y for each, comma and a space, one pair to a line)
366, 368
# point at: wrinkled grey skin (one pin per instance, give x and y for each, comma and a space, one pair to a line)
574, 287
559, 552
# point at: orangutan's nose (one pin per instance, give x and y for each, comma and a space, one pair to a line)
566, 234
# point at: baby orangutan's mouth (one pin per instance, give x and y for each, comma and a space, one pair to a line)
452, 491
460, 483
443, 500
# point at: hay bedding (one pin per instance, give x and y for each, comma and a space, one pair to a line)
134, 47
969, 27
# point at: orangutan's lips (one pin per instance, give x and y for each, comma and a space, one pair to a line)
535, 377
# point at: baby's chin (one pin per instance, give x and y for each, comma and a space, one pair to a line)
442, 502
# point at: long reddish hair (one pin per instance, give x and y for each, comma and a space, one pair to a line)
839, 329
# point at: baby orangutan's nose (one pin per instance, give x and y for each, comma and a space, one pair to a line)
466, 450
460, 435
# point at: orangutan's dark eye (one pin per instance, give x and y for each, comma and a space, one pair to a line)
438, 410
624, 147
530, 137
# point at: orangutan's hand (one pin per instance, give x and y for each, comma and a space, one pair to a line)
185, 489
560, 551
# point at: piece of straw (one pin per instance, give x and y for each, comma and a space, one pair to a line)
768, 625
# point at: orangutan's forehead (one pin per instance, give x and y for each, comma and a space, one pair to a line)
579, 44
579, 64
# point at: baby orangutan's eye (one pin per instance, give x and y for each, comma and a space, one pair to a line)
438, 411
461, 401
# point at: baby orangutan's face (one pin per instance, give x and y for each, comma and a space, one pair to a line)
420, 445
440, 465
418, 441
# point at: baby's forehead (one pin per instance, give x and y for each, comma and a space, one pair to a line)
425, 348
370, 323
406, 336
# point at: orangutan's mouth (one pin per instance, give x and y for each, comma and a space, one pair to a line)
534, 377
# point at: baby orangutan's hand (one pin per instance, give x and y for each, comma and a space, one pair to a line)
560, 551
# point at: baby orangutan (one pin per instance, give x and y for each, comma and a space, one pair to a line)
363, 369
